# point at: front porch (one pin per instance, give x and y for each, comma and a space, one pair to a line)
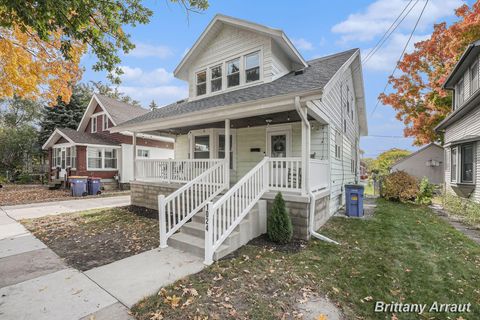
286, 151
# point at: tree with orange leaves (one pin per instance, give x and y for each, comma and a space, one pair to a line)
418, 97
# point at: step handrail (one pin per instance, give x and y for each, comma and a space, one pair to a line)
227, 213
180, 206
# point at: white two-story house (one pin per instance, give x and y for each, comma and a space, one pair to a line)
293, 126
462, 127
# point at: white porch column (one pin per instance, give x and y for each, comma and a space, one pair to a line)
302, 110
134, 143
227, 153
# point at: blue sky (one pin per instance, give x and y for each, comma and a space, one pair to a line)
317, 28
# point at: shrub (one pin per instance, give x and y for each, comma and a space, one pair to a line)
279, 224
425, 192
24, 178
465, 208
399, 186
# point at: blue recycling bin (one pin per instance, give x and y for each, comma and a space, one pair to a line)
78, 186
94, 185
354, 200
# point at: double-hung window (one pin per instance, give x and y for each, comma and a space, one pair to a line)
216, 78
474, 78
142, 153
233, 73
94, 124
105, 122
201, 83
252, 67
462, 163
101, 158
202, 147
460, 93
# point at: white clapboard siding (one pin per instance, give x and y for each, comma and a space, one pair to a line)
232, 42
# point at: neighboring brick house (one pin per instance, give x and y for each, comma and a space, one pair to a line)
92, 150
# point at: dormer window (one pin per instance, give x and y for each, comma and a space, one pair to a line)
216, 76
94, 124
233, 73
460, 93
105, 122
252, 67
474, 78
201, 83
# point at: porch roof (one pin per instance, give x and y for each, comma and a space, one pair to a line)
76, 137
314, 77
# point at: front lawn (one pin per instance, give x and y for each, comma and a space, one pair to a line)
405, 253
97, 237
12, 194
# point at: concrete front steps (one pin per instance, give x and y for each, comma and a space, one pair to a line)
191, 237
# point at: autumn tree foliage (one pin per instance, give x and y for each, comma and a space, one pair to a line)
418, 97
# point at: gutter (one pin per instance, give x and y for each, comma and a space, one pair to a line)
311, 222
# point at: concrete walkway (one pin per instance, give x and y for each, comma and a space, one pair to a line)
36, 284
36, 210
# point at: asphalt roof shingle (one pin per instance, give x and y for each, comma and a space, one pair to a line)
120, 111
86, 138
315, 76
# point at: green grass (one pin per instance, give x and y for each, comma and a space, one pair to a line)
369, 188
403, 254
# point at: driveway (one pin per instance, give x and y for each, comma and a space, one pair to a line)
36, 283
36, 210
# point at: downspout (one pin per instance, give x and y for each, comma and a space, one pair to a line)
311, 222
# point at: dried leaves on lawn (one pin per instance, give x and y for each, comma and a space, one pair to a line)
21, 194
95, 238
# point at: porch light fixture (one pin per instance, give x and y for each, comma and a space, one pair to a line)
268, 121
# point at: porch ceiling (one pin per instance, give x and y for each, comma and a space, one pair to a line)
256, 121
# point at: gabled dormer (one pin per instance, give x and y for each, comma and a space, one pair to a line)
464, 79
232, 54
103, 113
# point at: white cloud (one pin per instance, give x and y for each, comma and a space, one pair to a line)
162, 95
143, 50
386, 57
149, 78
378, 16
302, 44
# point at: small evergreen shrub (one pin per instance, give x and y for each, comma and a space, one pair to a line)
24, 178
425, 192
399, 186
279, 223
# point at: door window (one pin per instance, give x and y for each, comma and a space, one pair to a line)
278, 146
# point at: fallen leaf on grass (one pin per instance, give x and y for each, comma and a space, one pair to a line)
322, 317
336, 290
173, 301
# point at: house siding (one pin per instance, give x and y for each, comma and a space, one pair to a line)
231, 43
415, 165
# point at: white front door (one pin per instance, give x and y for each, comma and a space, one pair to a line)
279, 146
63, 159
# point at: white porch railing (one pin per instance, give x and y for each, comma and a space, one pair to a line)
319, 174
227, 213
180, 206
170, 170
285, 174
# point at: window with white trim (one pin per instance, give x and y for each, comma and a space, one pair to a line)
252, 67
216, 78
105, 122
221, 148
474, 78
338, 145
143, 153
201, 83
101, 158
462, 163
94, 124
460, 94
201, 149
233, 73
453, 165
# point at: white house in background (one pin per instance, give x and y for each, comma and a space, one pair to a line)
462, 127
92, 150
293, 126
425, 162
